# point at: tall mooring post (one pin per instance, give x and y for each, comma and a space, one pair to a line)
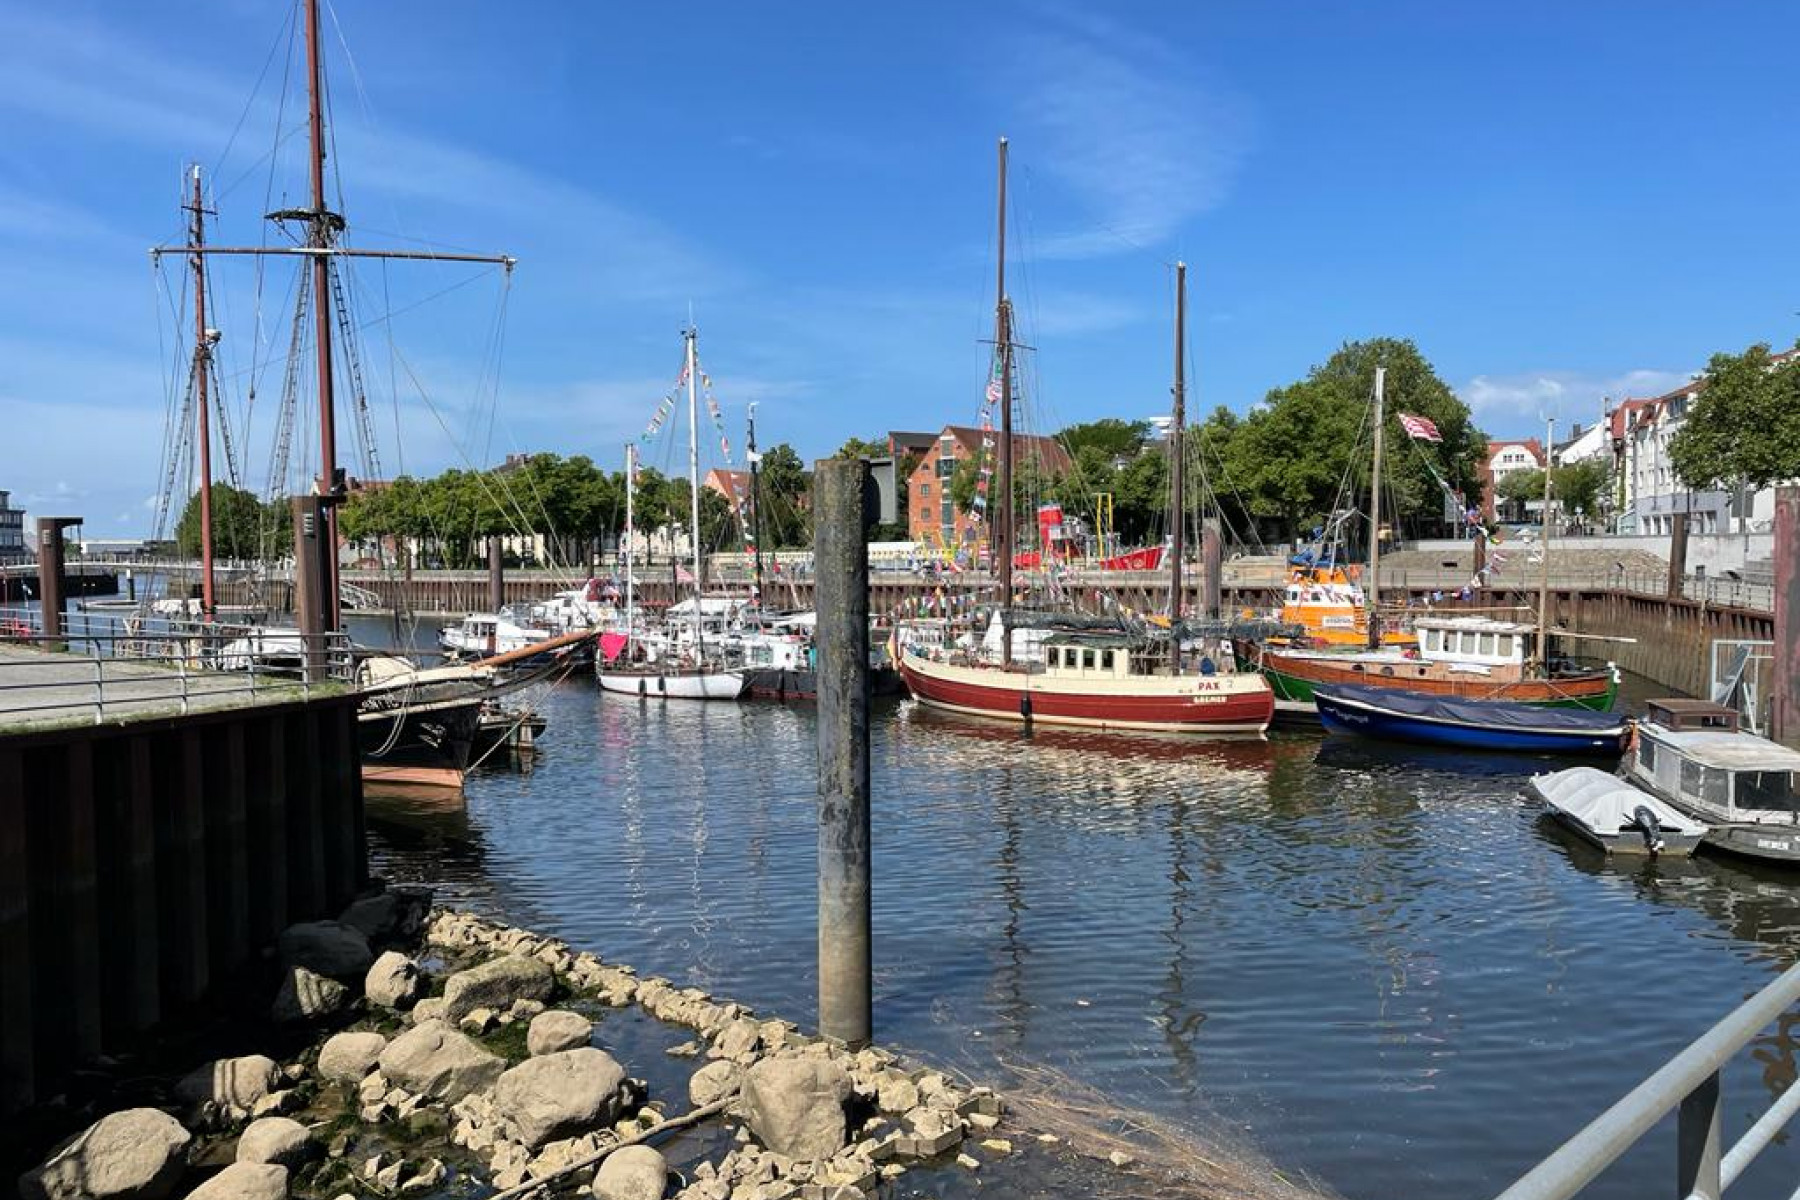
842, 597
313, 603
50, 571
1785, 714
496, 575
1479, 560
1678, 547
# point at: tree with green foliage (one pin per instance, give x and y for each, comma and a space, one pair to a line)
1743, 428
239, 522
784, 492
1111, 437
1293, 454
862, 448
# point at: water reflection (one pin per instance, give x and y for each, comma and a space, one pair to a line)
1366, 957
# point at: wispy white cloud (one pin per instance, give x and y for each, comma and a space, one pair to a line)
1133, 130
1567, 395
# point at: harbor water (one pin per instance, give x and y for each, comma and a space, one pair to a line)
1378, 966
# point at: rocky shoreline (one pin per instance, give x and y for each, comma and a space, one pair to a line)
451, 1055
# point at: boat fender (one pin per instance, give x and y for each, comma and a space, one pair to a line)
1025, 705
643, 686
1646, 821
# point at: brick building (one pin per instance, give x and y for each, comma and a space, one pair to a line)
932, 518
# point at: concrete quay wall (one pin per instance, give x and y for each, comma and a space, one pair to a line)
143, 862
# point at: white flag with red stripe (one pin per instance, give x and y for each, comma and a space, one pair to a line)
1420, 427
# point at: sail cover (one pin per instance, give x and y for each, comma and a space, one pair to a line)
1496, 714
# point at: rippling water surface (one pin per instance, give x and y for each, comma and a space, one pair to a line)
1377, 962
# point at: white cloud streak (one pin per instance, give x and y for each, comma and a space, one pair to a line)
1566, 395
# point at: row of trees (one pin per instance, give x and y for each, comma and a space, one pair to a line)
579, 507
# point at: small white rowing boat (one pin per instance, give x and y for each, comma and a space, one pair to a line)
1608, 812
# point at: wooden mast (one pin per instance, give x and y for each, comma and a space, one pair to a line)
1543, 614
755, 508
322, 225
1002, 542
202, 373
1177, 481
1373, 597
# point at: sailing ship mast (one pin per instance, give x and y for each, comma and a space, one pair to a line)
755, 508
1177, 481
693, 382
1543, 621
202, 370
630, 538
323, 227
1374, 588
1002, 543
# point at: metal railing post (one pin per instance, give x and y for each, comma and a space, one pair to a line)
1699, 1142
99, 692
181, 674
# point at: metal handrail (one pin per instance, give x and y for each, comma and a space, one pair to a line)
1691, 1082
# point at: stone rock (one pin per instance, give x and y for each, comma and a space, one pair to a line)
277, 1104
137, 1154
429, 1009
524, 1010
235, 1084
280, 1140
429, 1176
897, 1093
350, 1056
795, 1106
631, 1173
497, 983
559, 1095
713, 1080
307, 996
557, 1030
478, 1020
245, 1181
327, 948
394, 981
436, 1061
738, 1039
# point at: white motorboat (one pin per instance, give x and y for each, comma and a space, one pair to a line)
1605, 811
488, 634
673, 682
1692, 754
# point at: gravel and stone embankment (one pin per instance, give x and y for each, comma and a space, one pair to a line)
454, 1055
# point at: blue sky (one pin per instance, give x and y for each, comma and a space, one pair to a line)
1557, 201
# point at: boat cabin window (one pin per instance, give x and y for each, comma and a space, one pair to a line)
1768, 789
1487, 645
1106, 660
1506, 645
1087, 660
1647, 755
1707, 784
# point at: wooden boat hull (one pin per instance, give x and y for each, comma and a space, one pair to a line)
426, 744
675, 685
1362, 717
783, 683
1206, 704
1292, 677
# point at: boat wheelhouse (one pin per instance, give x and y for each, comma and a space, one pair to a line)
1692, 754
1472, 658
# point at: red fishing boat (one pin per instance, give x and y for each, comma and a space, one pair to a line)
1100, 682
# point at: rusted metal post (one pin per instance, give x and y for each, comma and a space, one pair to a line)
496, 575
1480, 560
1678, 547
1212, 561
1785, 714
313, 608
842, 596
51, 588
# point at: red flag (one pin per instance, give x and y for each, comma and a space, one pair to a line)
1420, 427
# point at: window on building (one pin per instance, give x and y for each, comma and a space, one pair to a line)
925, 491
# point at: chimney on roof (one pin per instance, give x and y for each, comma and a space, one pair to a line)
1574, 431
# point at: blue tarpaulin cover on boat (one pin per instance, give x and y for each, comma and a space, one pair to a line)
1495, 714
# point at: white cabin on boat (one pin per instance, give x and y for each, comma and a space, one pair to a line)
1692, 753
1476, 640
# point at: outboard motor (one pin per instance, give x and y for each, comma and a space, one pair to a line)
1646, 821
